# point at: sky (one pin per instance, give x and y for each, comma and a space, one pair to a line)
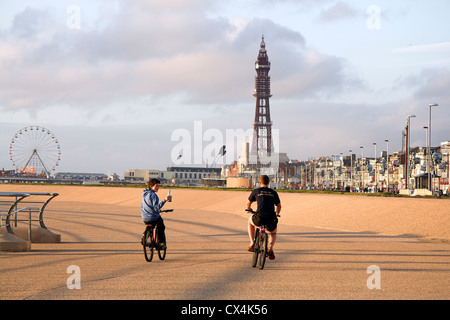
128, 84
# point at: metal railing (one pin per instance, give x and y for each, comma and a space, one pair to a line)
17, 202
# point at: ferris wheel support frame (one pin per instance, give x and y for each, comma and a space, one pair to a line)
35, 150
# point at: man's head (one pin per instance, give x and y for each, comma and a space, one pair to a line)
264, 180
154, 184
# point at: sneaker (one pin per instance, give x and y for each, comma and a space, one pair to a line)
251, 248
162, 246
271, 255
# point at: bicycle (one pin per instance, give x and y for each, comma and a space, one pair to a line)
150, 241
261, 241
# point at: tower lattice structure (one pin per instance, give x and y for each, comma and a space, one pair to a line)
262, 126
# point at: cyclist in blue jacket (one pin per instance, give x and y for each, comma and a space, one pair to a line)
150, 207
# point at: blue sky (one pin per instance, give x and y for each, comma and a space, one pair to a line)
114, 79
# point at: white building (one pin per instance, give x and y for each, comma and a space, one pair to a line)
174, 175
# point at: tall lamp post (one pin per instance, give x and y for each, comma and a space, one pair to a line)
341, 162
334, 176
351, 170
387, 164
408, 139
376, 183
362, 168
426, 147
429, 145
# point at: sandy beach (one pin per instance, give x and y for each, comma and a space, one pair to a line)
416, 217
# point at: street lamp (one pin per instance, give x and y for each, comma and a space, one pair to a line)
426, 148
387, 164
376, 183
429, 145
362, 168
341, 162
408, 135
351, 170
334, 175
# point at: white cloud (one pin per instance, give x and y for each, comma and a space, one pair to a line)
339, 11
442, 47
156, 66
156, 50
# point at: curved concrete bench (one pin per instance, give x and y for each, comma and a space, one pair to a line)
8, 240
20, 203
11, 242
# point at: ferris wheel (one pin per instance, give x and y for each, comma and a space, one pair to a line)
35, 151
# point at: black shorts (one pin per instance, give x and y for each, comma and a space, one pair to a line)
271, 223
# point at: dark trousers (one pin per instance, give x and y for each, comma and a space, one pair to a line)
161, 229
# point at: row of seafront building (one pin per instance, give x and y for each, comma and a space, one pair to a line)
382, 174
387, 173
334, 172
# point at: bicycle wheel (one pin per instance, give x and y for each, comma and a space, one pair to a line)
263, 251
256, 248
148, 245
161, 251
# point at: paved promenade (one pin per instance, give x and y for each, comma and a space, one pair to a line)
207, 259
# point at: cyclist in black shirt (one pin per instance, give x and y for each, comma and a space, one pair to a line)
268, 208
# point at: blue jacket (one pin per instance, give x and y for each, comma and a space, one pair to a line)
150, 206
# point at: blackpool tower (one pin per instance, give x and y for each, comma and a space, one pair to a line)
262, 126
